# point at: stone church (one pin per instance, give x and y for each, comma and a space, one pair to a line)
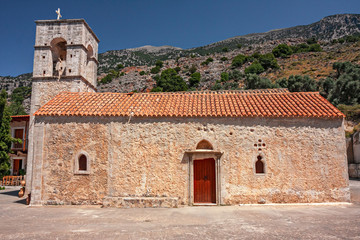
172, 149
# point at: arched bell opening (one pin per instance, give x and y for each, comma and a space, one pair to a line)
58, 51
90, 64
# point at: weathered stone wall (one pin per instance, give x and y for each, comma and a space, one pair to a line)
63, 143
305, 159
46, 89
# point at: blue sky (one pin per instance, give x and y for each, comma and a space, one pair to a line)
133, 23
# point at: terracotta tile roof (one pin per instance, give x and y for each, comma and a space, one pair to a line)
264, 103
19, 118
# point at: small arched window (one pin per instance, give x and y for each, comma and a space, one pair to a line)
259, 165
82, 163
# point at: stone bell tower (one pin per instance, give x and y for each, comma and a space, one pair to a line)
65, 59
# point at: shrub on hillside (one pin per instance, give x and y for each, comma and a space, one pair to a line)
107, 79
239, 60
268, 61
207, 61
297, 83
194, 79
224, 77
159, 63
236, 75
315, 48
347, 84
254, 68
170, 81
155, 70
282, 50
253, 81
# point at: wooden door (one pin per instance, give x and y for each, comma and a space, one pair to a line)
19, 133
16, 166
204, 181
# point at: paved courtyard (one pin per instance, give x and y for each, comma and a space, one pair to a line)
19, 221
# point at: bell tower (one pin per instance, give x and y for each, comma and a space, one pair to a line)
65, 59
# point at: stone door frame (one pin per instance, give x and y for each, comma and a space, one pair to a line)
203, 154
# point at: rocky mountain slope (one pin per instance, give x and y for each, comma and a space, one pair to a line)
138, 62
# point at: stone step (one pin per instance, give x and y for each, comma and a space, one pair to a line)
141, 202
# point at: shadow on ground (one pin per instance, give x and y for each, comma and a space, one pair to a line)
14, 193
11, 193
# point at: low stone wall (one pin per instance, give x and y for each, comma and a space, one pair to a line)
141, 202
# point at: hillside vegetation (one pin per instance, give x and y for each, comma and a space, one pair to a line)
323, 56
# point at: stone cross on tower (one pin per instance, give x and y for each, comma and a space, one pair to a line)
58, 13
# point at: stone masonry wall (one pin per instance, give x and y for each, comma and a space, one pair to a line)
305, 159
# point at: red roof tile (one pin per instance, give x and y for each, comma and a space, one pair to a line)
247, 103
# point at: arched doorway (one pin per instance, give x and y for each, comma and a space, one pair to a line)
204, 176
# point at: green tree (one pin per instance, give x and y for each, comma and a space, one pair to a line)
315, 48
300, 83
5, 136
239, 60
236, 75
347, 84
282, 50
253, 81
281, 83
302, 47
142, 73
216, 86
255, 55
159, 63
207, 61
119, 67
194, 79
177, 69
170, 81
16, 100
155, 70
224, 59
268, 61
225, 49
255, 68
224, 77
107, 79
325, 86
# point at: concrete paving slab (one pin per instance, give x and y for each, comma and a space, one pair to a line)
19, 221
